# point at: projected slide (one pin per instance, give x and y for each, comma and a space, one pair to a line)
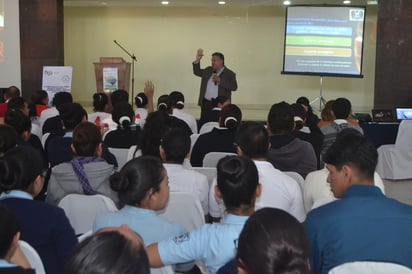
324, 40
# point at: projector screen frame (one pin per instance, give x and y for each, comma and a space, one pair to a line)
324, 74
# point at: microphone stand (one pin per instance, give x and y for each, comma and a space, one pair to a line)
133, 61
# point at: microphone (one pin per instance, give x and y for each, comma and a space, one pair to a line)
215, 74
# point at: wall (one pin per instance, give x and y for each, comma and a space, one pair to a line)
165, 41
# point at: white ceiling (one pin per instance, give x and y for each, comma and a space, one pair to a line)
203, 3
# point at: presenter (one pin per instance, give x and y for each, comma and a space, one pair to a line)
217, 80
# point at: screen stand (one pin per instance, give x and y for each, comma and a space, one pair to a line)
322, 101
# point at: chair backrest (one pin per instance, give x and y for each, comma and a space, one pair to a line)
297, 177
212, 158
183, 209
208, 127
32, 257
403, 139
133, 153
193, 139
84, 236
164, 270
121, 155
370, 268
44, 138
210, 173
81, 209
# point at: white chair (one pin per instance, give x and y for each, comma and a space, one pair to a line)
44, 138
36, 129
297, 177
121, 155
208, 127
183, 209
370, 268
395, 161
193, 139
84, 236
32, 257
210, 173
82, 209
133, 153
212, 158
164, 270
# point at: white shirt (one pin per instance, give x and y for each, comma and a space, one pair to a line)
212, 88
91, 117
188, 181
46, 114
188, 118
278, 191
140, 116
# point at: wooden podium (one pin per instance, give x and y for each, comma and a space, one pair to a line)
123, 72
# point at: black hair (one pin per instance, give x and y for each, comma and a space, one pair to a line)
140, 100
237, 180
230, 117
17, 103
100, 101
119, 95
253, 139
136, 178
8, 138
38, 96
19, 168
16, 119
219, 100
164, 104
12, 92
71, 115
273, 242
298, 111
280, 118
353, 149
157, 124
8, 229
123, 115
107, 252
176, 144
341, 108
86, 139
220, 55
177, 99
305, 101
61, 98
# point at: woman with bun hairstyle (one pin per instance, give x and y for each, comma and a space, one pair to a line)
221, 139
141, 112
142, 187
213, 114
272, 242
100, 105
45, 227
178, 103
127, 133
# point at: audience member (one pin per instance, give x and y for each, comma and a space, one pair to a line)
9, 93
142, 187
213, 114
272, 242
100, 109
178, 103
363, 225
87, 173
8, 138
311, 118
39, 102
174, 148
326, 114
215, 244
287, 152
19, 103
45, 227
341, 110
119, 251
21, 124
220, 139
141, 112
164, 104
12, 260
278, 189
157, 124
54, 125
127, 133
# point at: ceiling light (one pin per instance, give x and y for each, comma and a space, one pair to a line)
165, 2
221, 2
286, 3
346, 2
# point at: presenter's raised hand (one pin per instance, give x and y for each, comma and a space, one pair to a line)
199, 55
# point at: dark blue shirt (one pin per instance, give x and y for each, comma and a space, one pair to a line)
364, 225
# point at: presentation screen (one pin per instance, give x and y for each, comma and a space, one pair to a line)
324, 40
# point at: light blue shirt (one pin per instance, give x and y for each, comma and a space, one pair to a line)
212, 88
214, 244
150, 227
6, 264
16, 194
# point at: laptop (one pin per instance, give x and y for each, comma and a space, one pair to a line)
403, 114
382, 115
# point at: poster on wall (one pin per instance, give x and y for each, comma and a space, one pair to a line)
56, 79
110, 79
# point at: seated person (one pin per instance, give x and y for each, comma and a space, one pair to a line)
215, 244
10, 93
157, 124
178, 103
174, 148
281, 243
127, 133
364, 225
328, 117
142, 188
213, 114
221, 139
45, 227
278, 189
116, 97
8, 139
164, 104
311, 118
12, 260
341, 111
287, 152
39, 102
49, 118
114, 250
87, 173
141, 112
100, 107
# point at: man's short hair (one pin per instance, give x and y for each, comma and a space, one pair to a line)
12, 92
353, 149
280, 118
341, 108
86, 139
253, 139
61, 98
176, 145
219, 55
72, 114
119, 95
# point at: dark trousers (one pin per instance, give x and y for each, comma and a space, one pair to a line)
206, 106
